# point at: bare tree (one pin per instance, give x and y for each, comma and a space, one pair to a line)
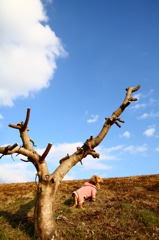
48, 183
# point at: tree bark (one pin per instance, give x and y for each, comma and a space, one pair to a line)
45, 226
47, 186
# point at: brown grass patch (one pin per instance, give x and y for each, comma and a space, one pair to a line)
125, 208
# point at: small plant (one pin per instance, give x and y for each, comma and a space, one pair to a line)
147, 217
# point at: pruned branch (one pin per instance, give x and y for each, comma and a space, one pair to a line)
27, 119
93, 153
136, 89
46, 152
22, 126
7, 149
64, 159
26, 149
12, 147
14, 126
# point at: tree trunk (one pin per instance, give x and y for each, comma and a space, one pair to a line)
45, 226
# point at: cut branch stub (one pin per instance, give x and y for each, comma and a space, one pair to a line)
26, 120
120, 120
9, 148
116, 122
14, 126
21, 125
132, 99
64, 159
93, 153
12, 147
136, 89
46, 152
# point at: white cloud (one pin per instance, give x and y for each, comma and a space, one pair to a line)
143, 116
141, 149
69, 177
129, 148
149, 132
94, 118
149, 115
138, 106
136, 149
49, 1
157, 149
59, 151
137, 95
109, 154
126, 134
151, 91
15, 172
152, 101
28, 47
112, 149
1, 116
91, 163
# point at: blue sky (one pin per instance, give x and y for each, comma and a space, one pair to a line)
70, 62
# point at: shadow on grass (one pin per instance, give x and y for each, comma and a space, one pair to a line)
68, 202
20, 219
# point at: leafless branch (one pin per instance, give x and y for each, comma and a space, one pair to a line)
27, 119
46, 152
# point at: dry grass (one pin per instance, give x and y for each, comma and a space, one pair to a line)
125, 208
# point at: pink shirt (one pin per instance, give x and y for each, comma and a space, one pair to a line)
88, 190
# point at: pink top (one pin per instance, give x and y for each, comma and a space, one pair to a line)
88, 190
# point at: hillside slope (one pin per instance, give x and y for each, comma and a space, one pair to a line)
125, 208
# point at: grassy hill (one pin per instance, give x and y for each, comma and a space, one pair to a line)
125, 208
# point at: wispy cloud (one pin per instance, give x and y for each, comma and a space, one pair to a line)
149, 132
109, 154
95, 164
149, 115
144, 100
138, 106
94, 118
137, 95
136, 149
126, 134
29, 48
1, 116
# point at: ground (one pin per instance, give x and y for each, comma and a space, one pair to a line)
125, 208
